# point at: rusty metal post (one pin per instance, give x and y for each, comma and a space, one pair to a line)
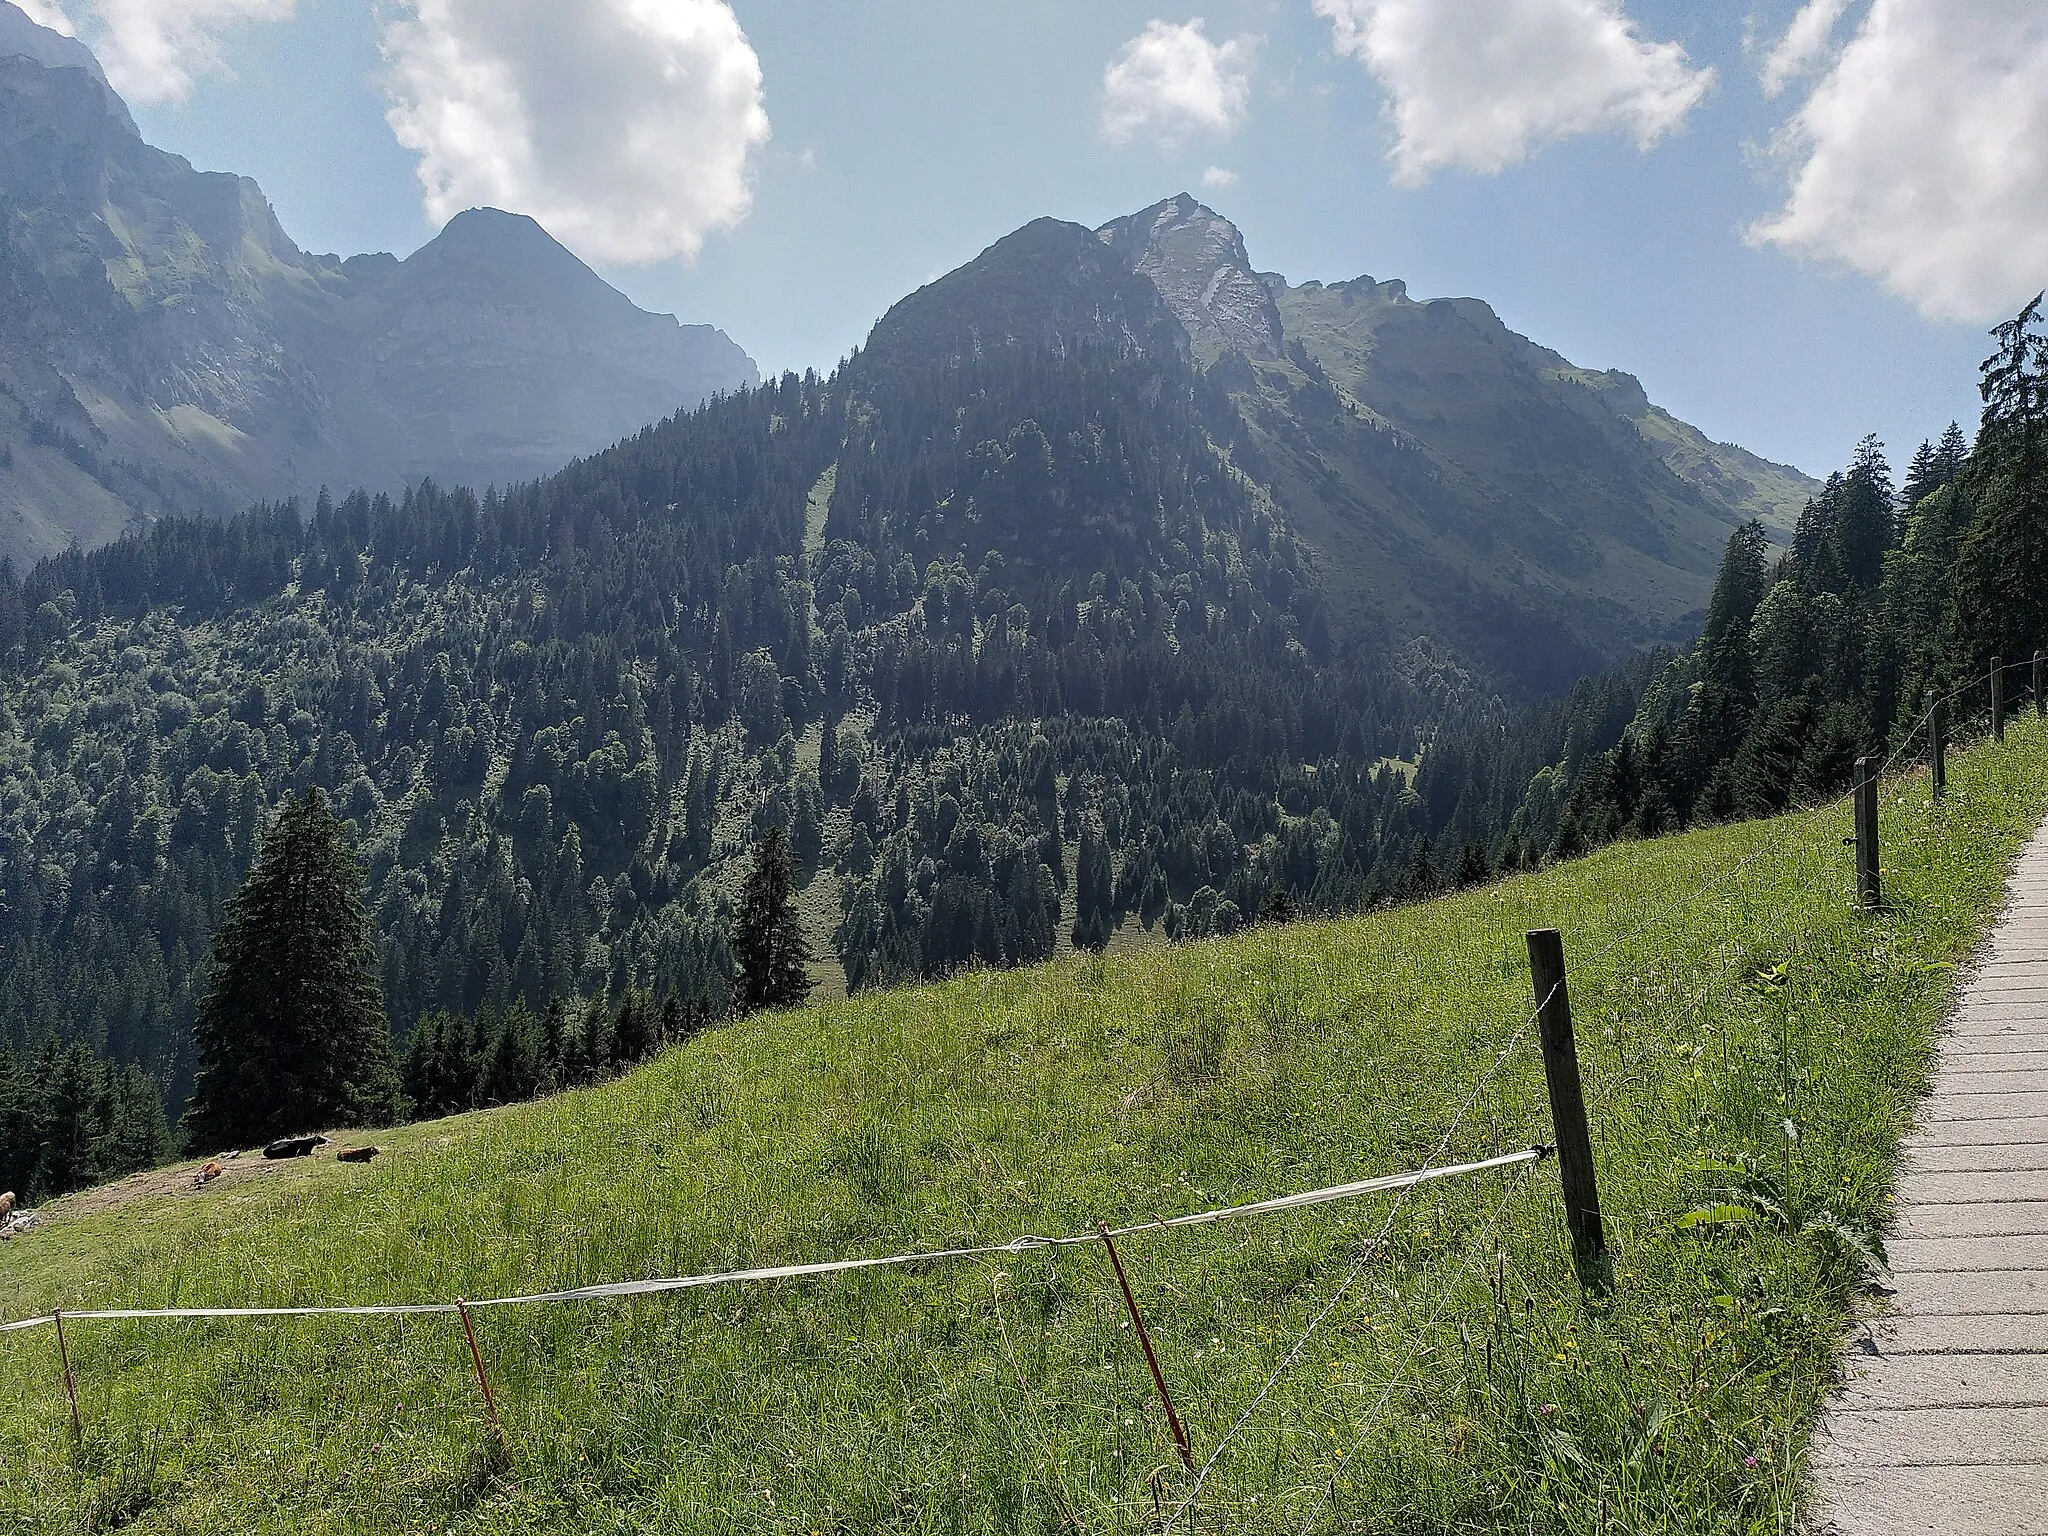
70, 1383
1180, 1435
476, 1357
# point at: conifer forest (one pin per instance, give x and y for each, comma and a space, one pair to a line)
586, 744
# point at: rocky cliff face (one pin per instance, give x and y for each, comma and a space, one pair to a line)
166, 348
1196, 258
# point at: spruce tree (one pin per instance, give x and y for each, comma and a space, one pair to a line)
2001, 576
767, 936
291, 1034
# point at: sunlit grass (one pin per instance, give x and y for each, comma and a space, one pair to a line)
1481, 1385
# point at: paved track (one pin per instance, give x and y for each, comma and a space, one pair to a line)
1942, 1429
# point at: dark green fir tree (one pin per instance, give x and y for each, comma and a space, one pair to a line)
768, 943
291, 1034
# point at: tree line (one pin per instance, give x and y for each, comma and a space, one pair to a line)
585, 740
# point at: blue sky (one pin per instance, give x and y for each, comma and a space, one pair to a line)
903, 136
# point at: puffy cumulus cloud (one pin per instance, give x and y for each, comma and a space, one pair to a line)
627, 127
1219, 176
1170, 82
1921, 156
1484, 83
1803, 44
157, 50
46, 13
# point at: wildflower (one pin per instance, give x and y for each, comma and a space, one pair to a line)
1547, 1409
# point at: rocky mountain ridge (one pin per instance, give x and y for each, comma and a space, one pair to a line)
166, 348
1197, 260
1467, 494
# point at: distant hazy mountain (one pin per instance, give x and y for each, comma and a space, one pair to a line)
165, 347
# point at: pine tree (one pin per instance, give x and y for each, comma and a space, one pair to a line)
291, 1034
1923, 476
1093, 920
767, 937
633, 1031
1864, 527
2001, 575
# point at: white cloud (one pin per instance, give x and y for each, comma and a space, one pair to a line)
45, 13
1219, 176
157, 50
1170, 82
1803, 44
1484, 83
627, 127
1921, 156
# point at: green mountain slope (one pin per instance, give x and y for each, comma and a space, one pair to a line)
1471, 1379
1017, 558
1456, 481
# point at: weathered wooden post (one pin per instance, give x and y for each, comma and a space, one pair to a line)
1567, 1095
2040, 699
1868, 890
1998, 698
1937, 731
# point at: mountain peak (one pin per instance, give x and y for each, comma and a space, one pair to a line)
23, 37
1196, 259
1048, 284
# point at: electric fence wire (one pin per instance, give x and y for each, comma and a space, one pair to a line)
1814, 883
1402, 1182
1365, 1257
1715, 881
1400, 1373
1819, 876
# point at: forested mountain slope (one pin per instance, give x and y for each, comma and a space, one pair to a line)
1000, 620
165, 348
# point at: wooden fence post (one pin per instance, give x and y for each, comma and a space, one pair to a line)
1998, 698
2040, 699
1868, 889
1937, 730
1567, 1095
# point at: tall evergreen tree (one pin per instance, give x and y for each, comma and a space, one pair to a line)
768, 942
291, 1035
2001, 576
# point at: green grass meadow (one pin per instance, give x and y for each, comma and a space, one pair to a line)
1753, 1046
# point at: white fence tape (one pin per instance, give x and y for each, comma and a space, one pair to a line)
627, 1288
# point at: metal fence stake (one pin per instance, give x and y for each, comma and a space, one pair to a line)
476, 1357
70, 1384
1180, 1435
1937, 730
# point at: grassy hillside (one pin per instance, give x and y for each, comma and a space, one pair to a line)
1725, 989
